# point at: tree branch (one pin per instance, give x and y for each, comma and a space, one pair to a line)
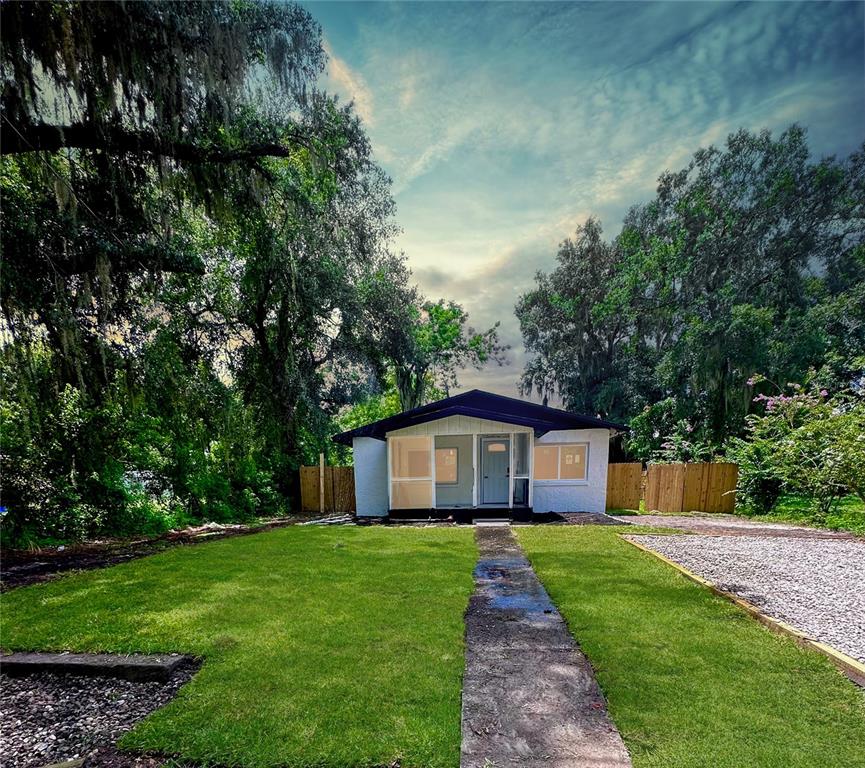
43, 137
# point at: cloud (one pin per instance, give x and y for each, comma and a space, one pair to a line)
351, 84
504, 126
454, 136
408, 90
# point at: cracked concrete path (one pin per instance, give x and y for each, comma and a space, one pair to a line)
530, 697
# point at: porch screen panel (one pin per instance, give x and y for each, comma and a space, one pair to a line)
410, 458
412, 494
521, 454
521, 469
411, 472
521, 491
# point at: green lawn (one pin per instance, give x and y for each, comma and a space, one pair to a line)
322, 646
344, 647
692, 680
848, 514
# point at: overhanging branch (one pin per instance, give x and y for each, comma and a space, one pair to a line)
43, 137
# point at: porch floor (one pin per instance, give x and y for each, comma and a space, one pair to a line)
517, 515
462, 514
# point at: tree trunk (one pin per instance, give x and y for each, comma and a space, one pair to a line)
411, 385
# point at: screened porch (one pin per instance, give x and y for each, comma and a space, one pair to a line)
457, 471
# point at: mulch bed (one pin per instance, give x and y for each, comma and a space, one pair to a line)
49, 718
23, 567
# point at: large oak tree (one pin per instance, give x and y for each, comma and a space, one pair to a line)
749, 260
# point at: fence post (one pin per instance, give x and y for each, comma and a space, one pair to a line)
321, 483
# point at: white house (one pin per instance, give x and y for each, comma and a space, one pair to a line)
481, 451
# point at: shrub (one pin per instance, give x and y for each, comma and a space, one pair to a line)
760, 485
157, 451
805, 442
662, 433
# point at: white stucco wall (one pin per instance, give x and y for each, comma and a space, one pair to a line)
576, 496
370, 476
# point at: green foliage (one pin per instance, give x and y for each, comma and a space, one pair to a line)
435, 344
196, 276
562, 324
382, 404
760, 484
166, 444
750, 259
667, 432
162, 74
805, 443
375, 407
846, 514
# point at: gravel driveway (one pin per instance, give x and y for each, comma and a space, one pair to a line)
816, 585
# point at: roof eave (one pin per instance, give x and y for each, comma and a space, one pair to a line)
565, 420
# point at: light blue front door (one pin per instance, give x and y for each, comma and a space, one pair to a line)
495, 469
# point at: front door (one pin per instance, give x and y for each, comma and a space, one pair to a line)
495, 469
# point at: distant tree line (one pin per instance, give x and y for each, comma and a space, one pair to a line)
197, 275
751, 260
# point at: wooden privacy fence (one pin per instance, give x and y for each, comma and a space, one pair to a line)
338, 486
624, 486
674, 488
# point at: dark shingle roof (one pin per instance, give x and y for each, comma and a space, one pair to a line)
482, 405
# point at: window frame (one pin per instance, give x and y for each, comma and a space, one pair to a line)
456, 450
559, 480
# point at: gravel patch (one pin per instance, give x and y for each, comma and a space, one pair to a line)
590, 518
731, 525
48, 718
815, 585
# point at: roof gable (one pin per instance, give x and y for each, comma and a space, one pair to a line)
485, 405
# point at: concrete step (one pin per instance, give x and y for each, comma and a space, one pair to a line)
137, 667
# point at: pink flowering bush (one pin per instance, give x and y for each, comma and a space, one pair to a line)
682, 445
805, 442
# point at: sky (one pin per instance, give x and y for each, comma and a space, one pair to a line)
505, 125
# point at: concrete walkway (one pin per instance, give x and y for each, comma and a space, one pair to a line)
530, 698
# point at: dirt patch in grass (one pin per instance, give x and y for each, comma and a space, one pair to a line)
23, 567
